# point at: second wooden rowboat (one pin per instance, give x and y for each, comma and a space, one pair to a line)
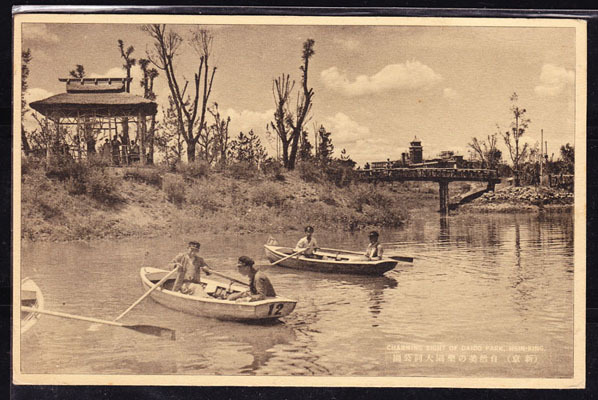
340, 262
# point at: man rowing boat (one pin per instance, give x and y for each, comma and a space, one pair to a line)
307, 242
190, 268
260, 286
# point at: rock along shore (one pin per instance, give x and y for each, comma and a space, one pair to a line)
521, 199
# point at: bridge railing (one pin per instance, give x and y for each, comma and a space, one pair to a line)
430, 174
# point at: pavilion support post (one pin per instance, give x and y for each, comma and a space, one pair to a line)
49, 139
444, 197
142, 156
138, 133
54, 141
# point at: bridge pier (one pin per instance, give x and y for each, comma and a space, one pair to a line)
444, 197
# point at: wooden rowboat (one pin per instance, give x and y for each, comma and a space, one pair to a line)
203, 303
31, 296
337, 261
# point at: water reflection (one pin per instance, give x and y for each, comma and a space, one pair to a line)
444, 234
261, 341
475, 279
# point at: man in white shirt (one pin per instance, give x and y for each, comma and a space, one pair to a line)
308, 242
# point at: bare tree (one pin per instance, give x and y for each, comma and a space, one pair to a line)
518, 126
286, 124
304, 101
281, 91
147, 83
129, 62
487, 151
220, 132
190, 113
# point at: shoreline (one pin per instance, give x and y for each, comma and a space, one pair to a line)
104, 203
153, 202
523, 199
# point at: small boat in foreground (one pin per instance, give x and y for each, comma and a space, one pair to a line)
205, 301
31, 296
328, 260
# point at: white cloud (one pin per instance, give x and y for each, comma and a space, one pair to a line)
246, 120
345, 130
348, 44
371, 149
39, 32
35, 94
410, 75
553, 80
450, 93
358, 140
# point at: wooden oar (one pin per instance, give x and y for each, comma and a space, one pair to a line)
157, 285
147, 329
396, 258
401, 258
292, 255
228, 277
246, 284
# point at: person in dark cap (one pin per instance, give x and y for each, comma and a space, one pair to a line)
307, 242
260, 286
375, 249
190, 269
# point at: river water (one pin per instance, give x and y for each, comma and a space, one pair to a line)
487, 296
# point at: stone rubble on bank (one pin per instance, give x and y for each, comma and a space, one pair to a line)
521, 198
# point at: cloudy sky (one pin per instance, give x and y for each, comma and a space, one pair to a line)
376, 87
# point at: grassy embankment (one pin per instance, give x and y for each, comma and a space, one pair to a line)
72, 201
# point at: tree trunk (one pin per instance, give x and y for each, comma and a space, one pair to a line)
293, 156
190, 151
285, 154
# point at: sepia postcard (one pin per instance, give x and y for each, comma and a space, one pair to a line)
205, 200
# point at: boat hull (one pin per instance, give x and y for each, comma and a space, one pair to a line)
331, 262
268, 309
31, 296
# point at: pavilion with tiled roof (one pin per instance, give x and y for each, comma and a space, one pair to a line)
102, 103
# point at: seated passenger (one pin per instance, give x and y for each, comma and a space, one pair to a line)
375, 249
260, 286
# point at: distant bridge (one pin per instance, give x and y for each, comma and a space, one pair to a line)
441, 175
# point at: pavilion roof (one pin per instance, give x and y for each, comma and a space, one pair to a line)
69, 104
